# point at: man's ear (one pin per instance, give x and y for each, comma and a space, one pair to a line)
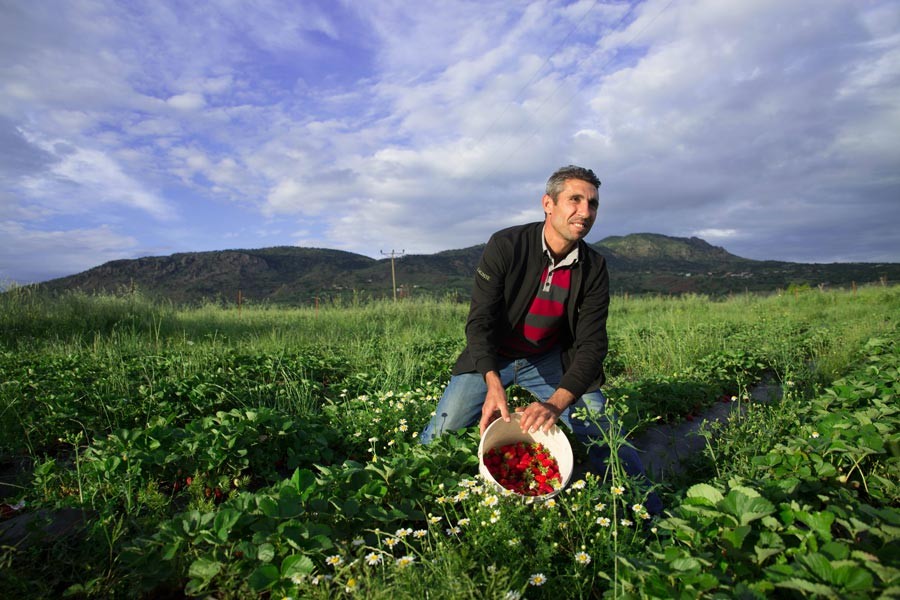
547, 203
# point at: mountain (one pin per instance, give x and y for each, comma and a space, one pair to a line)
664, 250
643, 263
275, 274
650, 263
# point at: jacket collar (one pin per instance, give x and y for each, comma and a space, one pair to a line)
568, 260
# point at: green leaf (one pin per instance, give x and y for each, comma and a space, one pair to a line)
224, 521
819, 522
268, 506
853, 578
296, 564
304, 481
265, 553
293, 534
170, 550
263, 578
706, 581
318, 529
358, 479
705, 491
746, 508
204, 569
748, 491
818, 565
736, 536
873, 441
836, 550
685, 564
289, 504
808, 586
320, 542
74, 590
350, 508
378, 513
762, 554
770, 544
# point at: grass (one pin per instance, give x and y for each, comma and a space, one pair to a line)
211, 445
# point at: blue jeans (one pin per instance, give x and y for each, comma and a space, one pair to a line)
460, 407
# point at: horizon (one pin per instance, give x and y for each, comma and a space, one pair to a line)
133, 131
407, 254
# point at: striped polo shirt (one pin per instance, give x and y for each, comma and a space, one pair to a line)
539, 329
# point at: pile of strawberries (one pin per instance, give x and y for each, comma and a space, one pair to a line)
526, 468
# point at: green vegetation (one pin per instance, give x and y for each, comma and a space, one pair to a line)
271, 452
290, 276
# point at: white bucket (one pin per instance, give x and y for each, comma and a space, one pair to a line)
501, 433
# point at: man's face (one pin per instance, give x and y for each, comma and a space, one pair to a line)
571, 217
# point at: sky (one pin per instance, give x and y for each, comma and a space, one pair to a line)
131, 129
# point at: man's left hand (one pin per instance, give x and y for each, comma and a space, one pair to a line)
538, 415
543, 415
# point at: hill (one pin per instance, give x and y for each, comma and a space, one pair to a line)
642, 263
671, 252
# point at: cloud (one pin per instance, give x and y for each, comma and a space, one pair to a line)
736, 118
18, 156
716, 234
365, 124
48, 254
83, 178
187, 101
750, 126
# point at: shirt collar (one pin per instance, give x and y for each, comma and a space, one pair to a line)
570, 259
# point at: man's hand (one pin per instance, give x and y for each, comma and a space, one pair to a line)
494, 401
543, 415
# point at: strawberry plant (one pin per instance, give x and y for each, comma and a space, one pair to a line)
276, 455
736, 542
672, 399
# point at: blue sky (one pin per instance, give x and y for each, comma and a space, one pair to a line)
133, 129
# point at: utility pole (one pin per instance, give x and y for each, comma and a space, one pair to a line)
394, 255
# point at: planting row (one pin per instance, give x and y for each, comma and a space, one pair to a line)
232, 474
814, 513
822, 524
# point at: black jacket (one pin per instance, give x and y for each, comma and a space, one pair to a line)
506, 280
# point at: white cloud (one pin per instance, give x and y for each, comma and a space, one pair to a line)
56, 253
716, 234
188, 101
334, 192
713, 117
744, 109
217, 85
83, 178
286, 196
366, 123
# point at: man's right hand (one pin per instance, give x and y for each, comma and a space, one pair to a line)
494, 401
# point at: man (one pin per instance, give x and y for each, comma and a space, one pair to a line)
538, 320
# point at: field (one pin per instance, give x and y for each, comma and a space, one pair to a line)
160, 452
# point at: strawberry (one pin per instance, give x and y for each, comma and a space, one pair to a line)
527, 469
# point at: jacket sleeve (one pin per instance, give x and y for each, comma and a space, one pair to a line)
590, 342
487, 313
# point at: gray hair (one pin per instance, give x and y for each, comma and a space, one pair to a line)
558, 179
